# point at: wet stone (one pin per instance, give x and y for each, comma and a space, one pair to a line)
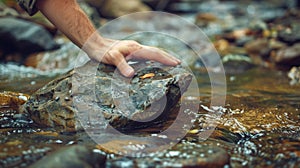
290, 35
288, 56
185, 154
17, 35
60, 59
115, 8
235, 64
125, 103
11, 98
294, 75
72, 156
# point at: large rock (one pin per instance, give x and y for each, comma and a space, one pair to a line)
17, 35
126, 103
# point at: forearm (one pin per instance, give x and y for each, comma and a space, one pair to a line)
68, 17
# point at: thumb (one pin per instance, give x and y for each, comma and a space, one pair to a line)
125, 68
120, 62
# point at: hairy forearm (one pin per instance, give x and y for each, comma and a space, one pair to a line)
68, 17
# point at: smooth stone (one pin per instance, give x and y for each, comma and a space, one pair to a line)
71, 157
130, 104
17, 35
290, 35
235, 64
116, 8
184, 154
294, 75
289, 56
258, 48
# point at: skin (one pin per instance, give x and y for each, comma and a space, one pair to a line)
69, 18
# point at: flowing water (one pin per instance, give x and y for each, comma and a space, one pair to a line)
258, 127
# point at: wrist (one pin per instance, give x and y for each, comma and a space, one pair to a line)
96, 46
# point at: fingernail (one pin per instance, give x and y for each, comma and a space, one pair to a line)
129, 72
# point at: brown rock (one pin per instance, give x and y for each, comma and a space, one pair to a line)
289, 56
202, 19
12, 98
258, 50
222, 46
117, 8
259, 47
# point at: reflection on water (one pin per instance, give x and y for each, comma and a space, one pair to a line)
259, 124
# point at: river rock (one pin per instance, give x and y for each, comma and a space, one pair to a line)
17, 35
125, 103
116, 8
12, 99
288, 56
235, 64
61, 59
185, 154
290, 35
294, 75
70, 157
258, 48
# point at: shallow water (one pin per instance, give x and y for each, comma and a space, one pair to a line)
258, 126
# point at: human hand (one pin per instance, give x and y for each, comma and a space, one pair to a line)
117, 53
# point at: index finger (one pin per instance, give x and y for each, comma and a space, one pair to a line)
155, 54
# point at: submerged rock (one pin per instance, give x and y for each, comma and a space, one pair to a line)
184, 154
294, 75
291, 35
288, 56
17, 35
125, 103
72, 156
235, 64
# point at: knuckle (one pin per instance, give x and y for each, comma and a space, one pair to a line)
132, 43
111, 55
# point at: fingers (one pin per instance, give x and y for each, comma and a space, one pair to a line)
126, 50
155, 54
120, 62
128, 46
